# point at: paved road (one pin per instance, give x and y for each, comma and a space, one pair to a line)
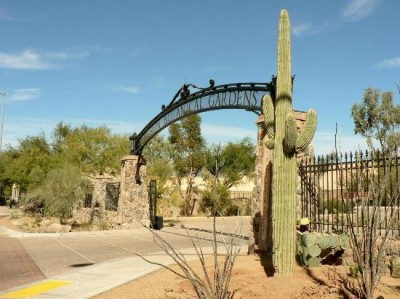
59, 254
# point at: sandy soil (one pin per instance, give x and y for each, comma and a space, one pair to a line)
250, 279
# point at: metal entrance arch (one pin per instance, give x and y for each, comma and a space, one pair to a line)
247, 96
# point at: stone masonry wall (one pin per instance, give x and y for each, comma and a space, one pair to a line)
97, 211
133, 207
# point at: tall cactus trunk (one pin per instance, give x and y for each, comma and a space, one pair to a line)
283, 138
284, 167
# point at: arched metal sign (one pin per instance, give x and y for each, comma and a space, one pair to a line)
247, 96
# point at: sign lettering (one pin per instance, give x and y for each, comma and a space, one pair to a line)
224, 98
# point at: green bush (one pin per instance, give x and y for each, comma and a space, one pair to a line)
59, 192
217, 201
335, 205
33, 205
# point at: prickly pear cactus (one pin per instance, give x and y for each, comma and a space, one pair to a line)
313, 250
284, 139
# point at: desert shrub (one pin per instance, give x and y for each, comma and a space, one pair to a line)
102, 225
59, 192
335, 205
34, 204
214, 285
217, 201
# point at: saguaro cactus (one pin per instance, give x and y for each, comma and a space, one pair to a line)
285, 140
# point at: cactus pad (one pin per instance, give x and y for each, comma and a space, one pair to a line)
314, 262
314, 251
328, 241
344, 241
308, 239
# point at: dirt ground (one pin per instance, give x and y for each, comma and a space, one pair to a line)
250, 279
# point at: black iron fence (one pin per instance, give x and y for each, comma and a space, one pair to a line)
338, 190
112, 196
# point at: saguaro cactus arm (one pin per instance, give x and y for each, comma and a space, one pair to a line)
308, 131
290, 138
269, 120
269, 111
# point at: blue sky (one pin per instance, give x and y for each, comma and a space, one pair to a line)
115, 63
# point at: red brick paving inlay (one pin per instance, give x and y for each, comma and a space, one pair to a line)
16, 266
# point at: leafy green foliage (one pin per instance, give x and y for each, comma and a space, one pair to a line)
230, 163
378, 118
92, 150
225, 166
60, 190
158, 154
188, 146
188, 156
217, 201
28, 163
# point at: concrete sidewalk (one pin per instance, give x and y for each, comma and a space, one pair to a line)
96, 279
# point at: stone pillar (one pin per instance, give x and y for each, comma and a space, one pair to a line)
134, 203
261, 238
261, 206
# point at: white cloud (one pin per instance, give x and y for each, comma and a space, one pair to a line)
393, 63
5, 15
24, 94
57, 55
33, 60
133, 89
302, 29
64, 55
357, 10
26, 60
217, 133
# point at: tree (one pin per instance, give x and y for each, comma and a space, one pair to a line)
28, 163
226, 165
60, 191
216, 199
188, 157
158, 155
93, 150
229, 164
378, 118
